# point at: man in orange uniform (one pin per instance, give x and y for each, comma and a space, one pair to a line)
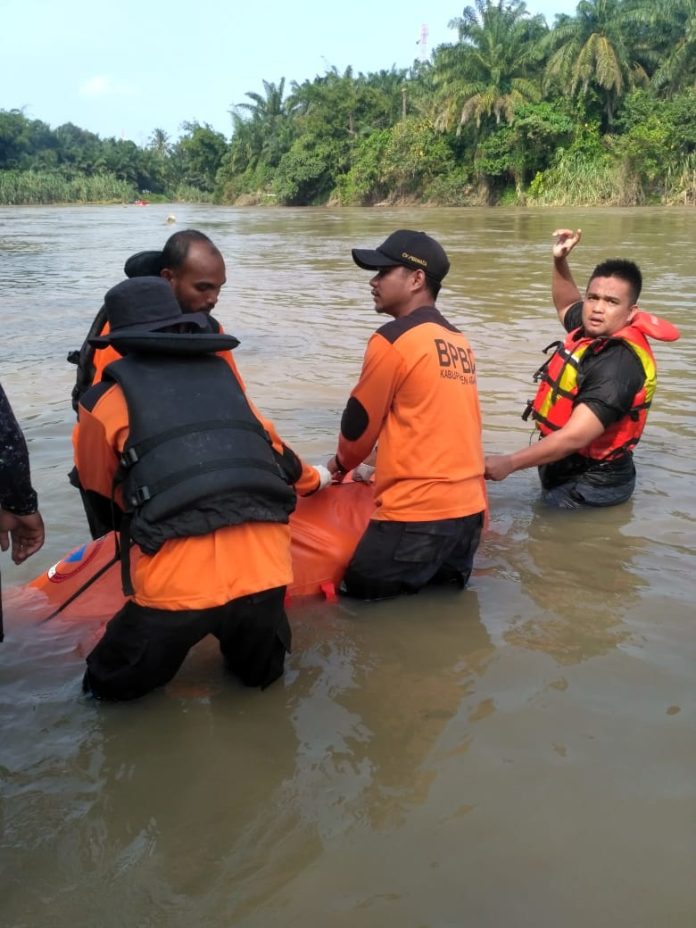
205, 486
596, 389
417, 400
195, 270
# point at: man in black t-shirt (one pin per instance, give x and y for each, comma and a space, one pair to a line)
585, 453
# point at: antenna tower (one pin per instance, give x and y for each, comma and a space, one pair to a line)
423, 42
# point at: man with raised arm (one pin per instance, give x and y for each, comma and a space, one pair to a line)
595, 391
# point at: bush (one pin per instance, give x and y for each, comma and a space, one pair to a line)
23, 188
451, 188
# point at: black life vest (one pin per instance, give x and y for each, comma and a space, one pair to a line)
84, 358
196, 458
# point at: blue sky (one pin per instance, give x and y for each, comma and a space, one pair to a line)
131, 66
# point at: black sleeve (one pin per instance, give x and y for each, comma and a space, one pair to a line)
84, 358
573, 318
289, 464
16, 492
608, 381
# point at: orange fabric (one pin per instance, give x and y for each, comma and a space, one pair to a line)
103, 356
187, 573
418, 387
325, 529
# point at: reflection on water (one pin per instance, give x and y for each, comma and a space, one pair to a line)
520, 754
580, 608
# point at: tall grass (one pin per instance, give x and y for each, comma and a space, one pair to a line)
680, 183
26, 188
578, 181
185, 193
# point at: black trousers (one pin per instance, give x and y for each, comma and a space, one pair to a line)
594, 484
143, 648
403, 557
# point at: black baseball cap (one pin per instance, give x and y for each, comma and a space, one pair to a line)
407, 248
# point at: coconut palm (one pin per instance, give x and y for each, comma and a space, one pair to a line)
675, 22
159, 143
263, 126
596, 51
493, 67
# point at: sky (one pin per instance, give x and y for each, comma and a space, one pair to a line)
127, 67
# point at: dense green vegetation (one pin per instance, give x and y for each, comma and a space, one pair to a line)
599, 108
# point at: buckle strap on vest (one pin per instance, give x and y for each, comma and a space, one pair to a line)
125, 546
135, 452
144, 493
542, 368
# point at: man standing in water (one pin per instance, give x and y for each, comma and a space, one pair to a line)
205, 486
195, 270
596, 389
417, 400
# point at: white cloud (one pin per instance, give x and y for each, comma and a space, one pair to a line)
102, 85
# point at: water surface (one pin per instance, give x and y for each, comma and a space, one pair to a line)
521, 754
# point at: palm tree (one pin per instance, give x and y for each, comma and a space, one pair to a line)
159, 143
596, 51
264, 123
492, 69
675, 22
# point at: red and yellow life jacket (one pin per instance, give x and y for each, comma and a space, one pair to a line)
555, 399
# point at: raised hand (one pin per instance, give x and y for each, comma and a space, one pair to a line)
564, 242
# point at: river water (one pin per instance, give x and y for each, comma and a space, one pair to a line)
521, 754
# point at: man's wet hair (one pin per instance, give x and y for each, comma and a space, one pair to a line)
624, 270
176, 248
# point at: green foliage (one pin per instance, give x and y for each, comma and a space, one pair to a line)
680, 182
395, 164
507, 159
363, 184
599, 50
186, 193
451, 189
198, 156
24, 188
673, 32
21, 139
304, 176
494, 67
586, 174
601, 108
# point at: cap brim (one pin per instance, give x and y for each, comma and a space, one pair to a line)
370, 260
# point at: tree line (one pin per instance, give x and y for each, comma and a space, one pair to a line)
598, 108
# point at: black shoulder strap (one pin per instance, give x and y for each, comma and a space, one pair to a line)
84, 358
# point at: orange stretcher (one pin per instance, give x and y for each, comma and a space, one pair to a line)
86, 584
